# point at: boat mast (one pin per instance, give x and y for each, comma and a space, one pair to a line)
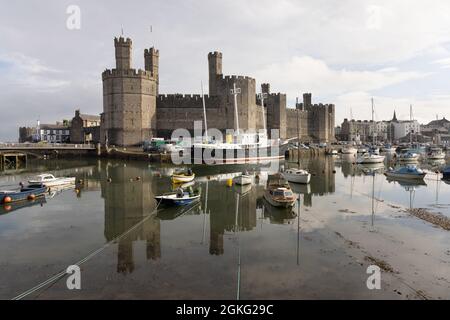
262, 95
373, 125
204, 113
235, 91
410, 123
298, 140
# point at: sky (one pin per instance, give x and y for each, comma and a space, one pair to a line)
343, 52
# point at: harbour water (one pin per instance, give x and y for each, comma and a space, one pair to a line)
232, 244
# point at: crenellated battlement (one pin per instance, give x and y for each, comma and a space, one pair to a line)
151, 51
234, 78
215, 54
122, 41
139, 73
186, 101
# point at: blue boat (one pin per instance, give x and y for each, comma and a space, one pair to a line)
178, 198
408, 172
25, 193
446, 173
10, 207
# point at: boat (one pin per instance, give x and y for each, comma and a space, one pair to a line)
278, 192
349, 150
178, 198
436, 154
182, 177
446, 173
388, 148
13, 206
50, 180
408, 172
374, 150
332, 152
362, 150
30, 192
370, 158
243, 179
408, 156
297, 176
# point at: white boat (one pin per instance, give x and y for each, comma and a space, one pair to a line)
182, 177
297, 176
349, 150
362, 150
50, 180
243, 179
370, 158
408, 157
436, 154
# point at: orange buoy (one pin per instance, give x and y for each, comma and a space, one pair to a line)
31, 197
7, 199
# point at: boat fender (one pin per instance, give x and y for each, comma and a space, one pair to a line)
6, 199
31, 197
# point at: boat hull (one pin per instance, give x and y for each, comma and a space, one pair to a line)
182, 178
219, 156
174, 201
57, 182
404, 176
278, 203
22, 195
242, 180
297, 178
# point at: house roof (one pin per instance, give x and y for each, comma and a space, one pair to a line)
440, 122
89, 117
53, 126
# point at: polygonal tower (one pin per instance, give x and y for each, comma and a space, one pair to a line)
151, 58
215, 71
129, 99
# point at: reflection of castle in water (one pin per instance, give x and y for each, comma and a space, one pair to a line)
127, 202
322, 182
223, 218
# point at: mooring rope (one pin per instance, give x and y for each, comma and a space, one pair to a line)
63, 273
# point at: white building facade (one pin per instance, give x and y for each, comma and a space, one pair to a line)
54, 133
403, 128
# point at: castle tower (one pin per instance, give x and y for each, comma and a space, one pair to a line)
123, 53
151, 58
307, 100
265, 88
215, 71
129, 99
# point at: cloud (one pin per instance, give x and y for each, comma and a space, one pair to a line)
307, 74
443, 63
27, 72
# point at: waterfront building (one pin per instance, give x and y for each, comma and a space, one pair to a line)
85, 128
54, 133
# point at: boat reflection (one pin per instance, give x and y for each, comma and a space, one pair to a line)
10, 207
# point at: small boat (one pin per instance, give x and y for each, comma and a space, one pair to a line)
181, 177
243, 179
278, 192
446, 173
370, 158
408, 172
297, 176
332, 152
50, 180
436, 154
374, 150
387, 148
10, 207
178, 198
408, 157
349, 150
362, 150
25, 193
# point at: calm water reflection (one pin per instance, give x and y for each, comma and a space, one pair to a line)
192, 252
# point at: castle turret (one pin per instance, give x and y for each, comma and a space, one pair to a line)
265, 88
307, 100
215, 71
151, 57
123, 53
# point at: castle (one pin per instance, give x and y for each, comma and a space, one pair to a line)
134, 111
